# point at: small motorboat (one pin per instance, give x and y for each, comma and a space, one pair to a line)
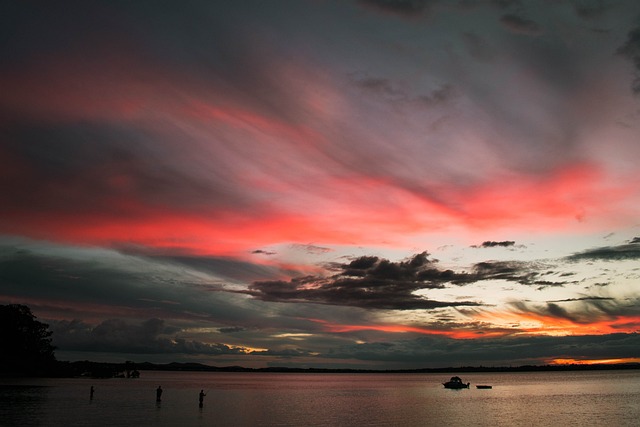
455, 383
484, 386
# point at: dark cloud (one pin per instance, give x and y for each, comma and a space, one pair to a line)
375, 283
584, 310
32, 275
222, 267
263, 252
627, 251
498, 269
492, 244
366, 282
405, 8
101, 281
119, 336
389, 91
543, 284
584, 299
520, 25
434, 351
524, 273
631, 50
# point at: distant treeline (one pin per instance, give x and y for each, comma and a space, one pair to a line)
527, 368
110, 370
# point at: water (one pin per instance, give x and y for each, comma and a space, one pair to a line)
596, 398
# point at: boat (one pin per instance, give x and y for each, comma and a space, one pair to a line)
483, 386
455, 383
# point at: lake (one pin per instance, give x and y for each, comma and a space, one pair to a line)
593, 398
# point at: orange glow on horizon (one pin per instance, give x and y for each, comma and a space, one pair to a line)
594, 361
539, 324
548, 326
457, 334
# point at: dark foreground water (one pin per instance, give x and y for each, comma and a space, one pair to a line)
600, 398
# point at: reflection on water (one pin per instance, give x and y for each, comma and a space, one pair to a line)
22, 404
271, 399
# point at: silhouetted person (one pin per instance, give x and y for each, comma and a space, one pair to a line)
201, 397
158, 394
91, 393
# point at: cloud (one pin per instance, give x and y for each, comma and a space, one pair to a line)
629, 251
520, 25
404, 8
583, 311
390, 91
584, 299
213, 123
108, 283
311, 249
96, 283
631, 50
366, 282
434, 351
105, 170
371, 282
263, 252
492, 244
153, 337
525, 273
217, 266
118, 336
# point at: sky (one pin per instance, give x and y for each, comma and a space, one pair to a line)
380, 184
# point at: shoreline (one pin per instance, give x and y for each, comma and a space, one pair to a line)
65, 369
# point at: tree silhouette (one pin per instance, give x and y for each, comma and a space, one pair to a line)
25, 342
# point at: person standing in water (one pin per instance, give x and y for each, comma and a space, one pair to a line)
201, 397
91, 393
158, 394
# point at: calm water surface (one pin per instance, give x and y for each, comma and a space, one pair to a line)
599, 398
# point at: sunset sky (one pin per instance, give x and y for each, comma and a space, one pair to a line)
324, 183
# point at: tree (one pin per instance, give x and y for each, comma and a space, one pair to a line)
25, 342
